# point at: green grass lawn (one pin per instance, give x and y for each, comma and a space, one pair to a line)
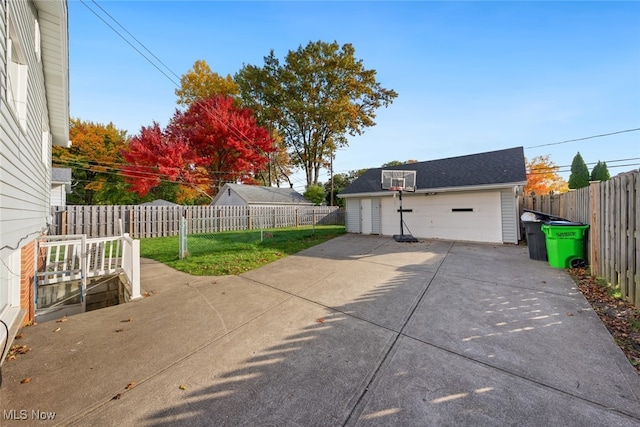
234, 252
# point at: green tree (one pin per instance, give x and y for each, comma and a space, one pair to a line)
321, 94
600, 172
201, 83
314, 193
579, 177
340, 182
397, 163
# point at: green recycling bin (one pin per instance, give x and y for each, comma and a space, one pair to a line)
565, 243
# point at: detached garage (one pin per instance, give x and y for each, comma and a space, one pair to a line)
470, 198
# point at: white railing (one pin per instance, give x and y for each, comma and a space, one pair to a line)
74, 259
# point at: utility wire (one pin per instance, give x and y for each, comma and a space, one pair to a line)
582, 139
212, 113
129, 43
137, 41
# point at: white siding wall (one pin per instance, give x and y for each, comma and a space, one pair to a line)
510, 220
24, 173
58, 195
353, 215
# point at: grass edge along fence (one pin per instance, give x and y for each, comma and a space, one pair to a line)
612, 210
163, 221
235, 252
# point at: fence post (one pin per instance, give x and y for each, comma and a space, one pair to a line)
63, 222
594, 228
183, 238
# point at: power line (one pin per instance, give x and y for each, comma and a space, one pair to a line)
130, 44
138, 41
214, 115
582, 139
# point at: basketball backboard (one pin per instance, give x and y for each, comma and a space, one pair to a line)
398, 180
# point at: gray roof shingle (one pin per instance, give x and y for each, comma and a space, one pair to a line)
61, 175
256, 194
494, 167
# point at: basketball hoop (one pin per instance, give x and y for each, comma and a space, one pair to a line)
400, 180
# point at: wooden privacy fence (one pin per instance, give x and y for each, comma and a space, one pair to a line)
162, 221
612, 210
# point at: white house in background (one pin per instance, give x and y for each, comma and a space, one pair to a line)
60, 186
256, 195
469, 198
34, 115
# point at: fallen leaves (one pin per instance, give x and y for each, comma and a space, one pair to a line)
64, 319
621, 318
130, 386
126, 320
25, 381
182, 387
57, 329
16, 350
320, 320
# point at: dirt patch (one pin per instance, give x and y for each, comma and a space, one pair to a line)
621, 318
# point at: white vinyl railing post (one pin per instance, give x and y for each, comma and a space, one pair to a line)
131, 263
83, 272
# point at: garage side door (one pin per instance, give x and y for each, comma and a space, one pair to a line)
474, 217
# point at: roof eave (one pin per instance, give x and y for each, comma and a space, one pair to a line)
440, 189
53, 20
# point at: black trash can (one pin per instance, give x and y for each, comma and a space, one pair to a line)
536, 240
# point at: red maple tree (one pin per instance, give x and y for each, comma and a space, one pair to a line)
210, 143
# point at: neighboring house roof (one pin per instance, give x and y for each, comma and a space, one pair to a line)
506, 167
159, 202
256, 194
52, 18
60, 176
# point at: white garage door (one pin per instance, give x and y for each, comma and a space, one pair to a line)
474, 217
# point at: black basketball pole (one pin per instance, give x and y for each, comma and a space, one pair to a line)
401, 237
401, 222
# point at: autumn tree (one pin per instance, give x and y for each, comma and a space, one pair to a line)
95, 162
201, 83
579, 177
319, 96
542, 177
600, 172
209, 144
278, 169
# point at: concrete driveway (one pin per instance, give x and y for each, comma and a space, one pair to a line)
359, 331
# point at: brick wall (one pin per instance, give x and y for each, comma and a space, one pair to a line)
27, 263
